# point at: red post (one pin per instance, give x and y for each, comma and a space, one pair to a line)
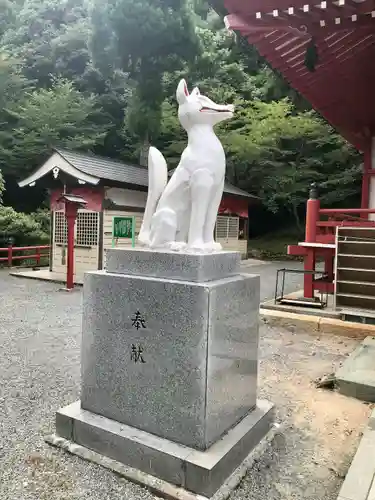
312, 218
70, 214
308, 281
312, 215
37, 256
10, 255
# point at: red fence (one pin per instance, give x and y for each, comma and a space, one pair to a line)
324, 231
320, 238
39, 253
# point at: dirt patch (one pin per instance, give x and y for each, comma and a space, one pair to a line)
311, 456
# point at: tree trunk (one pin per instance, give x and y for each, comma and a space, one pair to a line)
143, 156
296, 217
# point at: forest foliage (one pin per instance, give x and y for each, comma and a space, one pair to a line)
101, 76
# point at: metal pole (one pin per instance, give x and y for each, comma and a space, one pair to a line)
133, 231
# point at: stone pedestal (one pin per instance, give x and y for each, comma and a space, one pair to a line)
169, 366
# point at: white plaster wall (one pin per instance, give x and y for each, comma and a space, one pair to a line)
372, 181
126, 197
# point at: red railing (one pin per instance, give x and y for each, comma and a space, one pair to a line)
320, 239
353, 217
37, 255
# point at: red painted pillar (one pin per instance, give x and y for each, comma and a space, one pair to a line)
71, 215
312, 218
308, 280
366, 180
37, 256
10, 254
312, 215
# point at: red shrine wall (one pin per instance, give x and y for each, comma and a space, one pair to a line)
93, 196
237, 206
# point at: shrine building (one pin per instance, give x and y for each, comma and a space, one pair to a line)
101, 189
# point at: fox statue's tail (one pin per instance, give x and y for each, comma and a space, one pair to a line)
157, 180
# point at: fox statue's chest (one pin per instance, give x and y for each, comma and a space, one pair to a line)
203, 155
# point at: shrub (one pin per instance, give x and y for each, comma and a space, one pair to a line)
24, 229
43, 217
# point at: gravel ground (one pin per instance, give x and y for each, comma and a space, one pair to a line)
40, 372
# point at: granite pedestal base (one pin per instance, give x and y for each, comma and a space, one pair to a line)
200, 472
169, 367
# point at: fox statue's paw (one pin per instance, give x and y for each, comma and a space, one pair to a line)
212, 246
200, 246
144, 239
176, 246
216, 247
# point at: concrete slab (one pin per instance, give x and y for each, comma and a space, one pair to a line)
356, 378
253, 262
359, 481
193, 471
360, 477
316, 325
45, 275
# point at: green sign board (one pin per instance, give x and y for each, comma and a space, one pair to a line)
123, 228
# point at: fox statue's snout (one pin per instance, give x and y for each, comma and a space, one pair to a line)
195, 109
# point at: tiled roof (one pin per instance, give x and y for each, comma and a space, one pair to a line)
230, 189
106, 168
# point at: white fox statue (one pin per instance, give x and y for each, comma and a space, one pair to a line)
181, 215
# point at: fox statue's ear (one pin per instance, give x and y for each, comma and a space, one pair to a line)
195, 91
182, 92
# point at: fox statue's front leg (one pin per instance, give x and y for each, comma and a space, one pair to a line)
211, 218
202, 183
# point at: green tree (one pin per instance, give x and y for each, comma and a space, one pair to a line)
2, 188
12, 83
45, 118
277, 153
24, 228
145, 40
50, 38
13, 86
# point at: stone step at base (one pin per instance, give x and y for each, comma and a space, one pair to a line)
356, 378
